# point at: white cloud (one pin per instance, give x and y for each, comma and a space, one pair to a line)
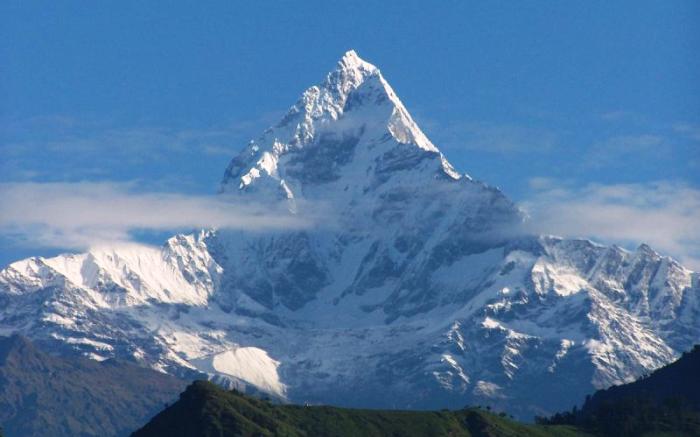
665, 215
79, 215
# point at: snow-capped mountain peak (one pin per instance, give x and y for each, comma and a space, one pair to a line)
351, 61
352, 118
352, 72
424, 292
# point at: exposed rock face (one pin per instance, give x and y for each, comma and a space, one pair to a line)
414, 288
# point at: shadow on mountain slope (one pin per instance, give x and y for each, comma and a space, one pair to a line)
45, 395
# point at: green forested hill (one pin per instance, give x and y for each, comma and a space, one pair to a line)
665, 403
204, 409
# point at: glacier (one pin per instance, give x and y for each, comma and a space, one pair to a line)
415, 287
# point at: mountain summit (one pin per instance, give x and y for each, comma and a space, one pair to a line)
416, 287
332, 124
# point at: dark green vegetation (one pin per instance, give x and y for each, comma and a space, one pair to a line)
665, 403
204, 409
45, 395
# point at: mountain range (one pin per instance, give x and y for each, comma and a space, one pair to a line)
407, 285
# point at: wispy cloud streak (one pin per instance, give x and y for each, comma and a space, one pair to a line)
664, 214
79, 215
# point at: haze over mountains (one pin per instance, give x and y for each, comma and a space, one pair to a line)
412, 286
49, 396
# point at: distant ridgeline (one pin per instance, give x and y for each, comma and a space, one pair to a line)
43, 395
667, 402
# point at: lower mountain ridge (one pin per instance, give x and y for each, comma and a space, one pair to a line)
43, 395
206, 410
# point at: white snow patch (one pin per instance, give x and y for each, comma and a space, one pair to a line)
58, 320
87, 342
489, 389
250, 364
490, 323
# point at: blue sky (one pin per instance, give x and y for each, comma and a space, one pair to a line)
563, 105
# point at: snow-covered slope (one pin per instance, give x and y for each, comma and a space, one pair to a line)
415, 288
